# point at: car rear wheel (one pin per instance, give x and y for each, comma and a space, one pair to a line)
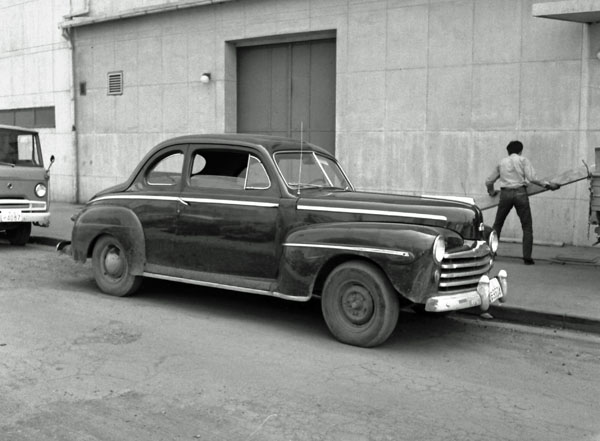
112, 269
19, 235
359, 304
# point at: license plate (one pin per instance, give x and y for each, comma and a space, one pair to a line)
10, 216
495, 290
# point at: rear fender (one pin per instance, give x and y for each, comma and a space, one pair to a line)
402, 251
122, 223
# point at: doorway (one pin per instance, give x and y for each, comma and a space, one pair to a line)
288, 87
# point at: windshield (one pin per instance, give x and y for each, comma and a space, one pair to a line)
311, 170
18, 149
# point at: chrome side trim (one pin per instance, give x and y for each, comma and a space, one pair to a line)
184, 199
229, 287
132, 196
376, 212
349, 248
231, 202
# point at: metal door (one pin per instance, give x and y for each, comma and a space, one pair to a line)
284, 87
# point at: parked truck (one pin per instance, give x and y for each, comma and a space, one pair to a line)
23, 184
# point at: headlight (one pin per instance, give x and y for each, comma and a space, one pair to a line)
40, 190
439, 249
493, 241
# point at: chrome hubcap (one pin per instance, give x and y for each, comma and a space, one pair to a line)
113, 262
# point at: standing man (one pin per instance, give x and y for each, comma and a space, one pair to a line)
515, 173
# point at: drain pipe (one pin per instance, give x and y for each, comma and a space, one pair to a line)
67, 35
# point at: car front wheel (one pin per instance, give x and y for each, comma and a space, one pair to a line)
359, 304
112, 270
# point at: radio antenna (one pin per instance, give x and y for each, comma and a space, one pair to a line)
301, 157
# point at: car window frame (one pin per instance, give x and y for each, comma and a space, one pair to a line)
250, 156
293, 189
187, 187
154, 160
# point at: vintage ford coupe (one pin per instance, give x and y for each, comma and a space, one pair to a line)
278, 217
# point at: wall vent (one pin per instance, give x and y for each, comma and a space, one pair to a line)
115, 83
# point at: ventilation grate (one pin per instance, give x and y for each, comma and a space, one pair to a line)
115, 83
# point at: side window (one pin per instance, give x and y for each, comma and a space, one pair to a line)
226, 170
166, 171
257, 177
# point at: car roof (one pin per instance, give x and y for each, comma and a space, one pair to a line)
17, 128
272, 144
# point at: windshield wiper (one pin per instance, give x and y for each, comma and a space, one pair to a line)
10, 164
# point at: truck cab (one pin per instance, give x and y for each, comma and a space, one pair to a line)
23, 184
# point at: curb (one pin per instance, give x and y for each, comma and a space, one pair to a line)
525, 316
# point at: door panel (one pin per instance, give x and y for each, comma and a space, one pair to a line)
157, 192
226, 224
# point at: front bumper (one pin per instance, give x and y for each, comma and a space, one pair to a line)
41, 219
488, 291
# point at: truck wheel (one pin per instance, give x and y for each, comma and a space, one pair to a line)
359, 304
112, 269
20, 235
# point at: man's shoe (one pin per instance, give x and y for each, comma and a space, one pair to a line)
529, 261
486, 316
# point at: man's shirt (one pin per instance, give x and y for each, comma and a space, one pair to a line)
513, 171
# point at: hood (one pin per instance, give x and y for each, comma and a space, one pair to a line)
462, 217
19, 182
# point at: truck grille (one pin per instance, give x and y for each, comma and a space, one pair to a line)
24, 205
461, 270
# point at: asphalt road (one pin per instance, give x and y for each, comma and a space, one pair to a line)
181, 363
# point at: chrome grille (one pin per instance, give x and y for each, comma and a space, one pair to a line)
22, 204
461, 270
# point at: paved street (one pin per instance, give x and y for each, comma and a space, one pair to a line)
180, 363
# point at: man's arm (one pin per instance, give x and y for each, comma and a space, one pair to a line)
489, 182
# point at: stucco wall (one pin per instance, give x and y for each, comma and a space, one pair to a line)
428, 92
35, 71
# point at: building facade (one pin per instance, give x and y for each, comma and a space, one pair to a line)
413, 96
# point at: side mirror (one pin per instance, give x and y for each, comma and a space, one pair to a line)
52, 158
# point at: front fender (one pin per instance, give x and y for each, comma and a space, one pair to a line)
120, 222
402, 251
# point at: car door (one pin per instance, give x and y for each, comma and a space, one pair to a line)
154, 198
228, 220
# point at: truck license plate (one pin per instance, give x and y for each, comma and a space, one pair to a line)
10, 216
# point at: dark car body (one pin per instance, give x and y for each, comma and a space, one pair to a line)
23, 183
190, 212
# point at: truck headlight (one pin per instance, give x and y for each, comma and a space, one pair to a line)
41, 190
493, 241
439, 249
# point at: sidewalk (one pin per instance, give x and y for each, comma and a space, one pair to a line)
561, 290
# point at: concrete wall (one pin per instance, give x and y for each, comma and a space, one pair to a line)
35, 71
428, 92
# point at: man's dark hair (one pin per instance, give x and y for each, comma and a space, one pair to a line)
514, 147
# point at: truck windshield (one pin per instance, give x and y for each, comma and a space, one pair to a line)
18, 149
311, 170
